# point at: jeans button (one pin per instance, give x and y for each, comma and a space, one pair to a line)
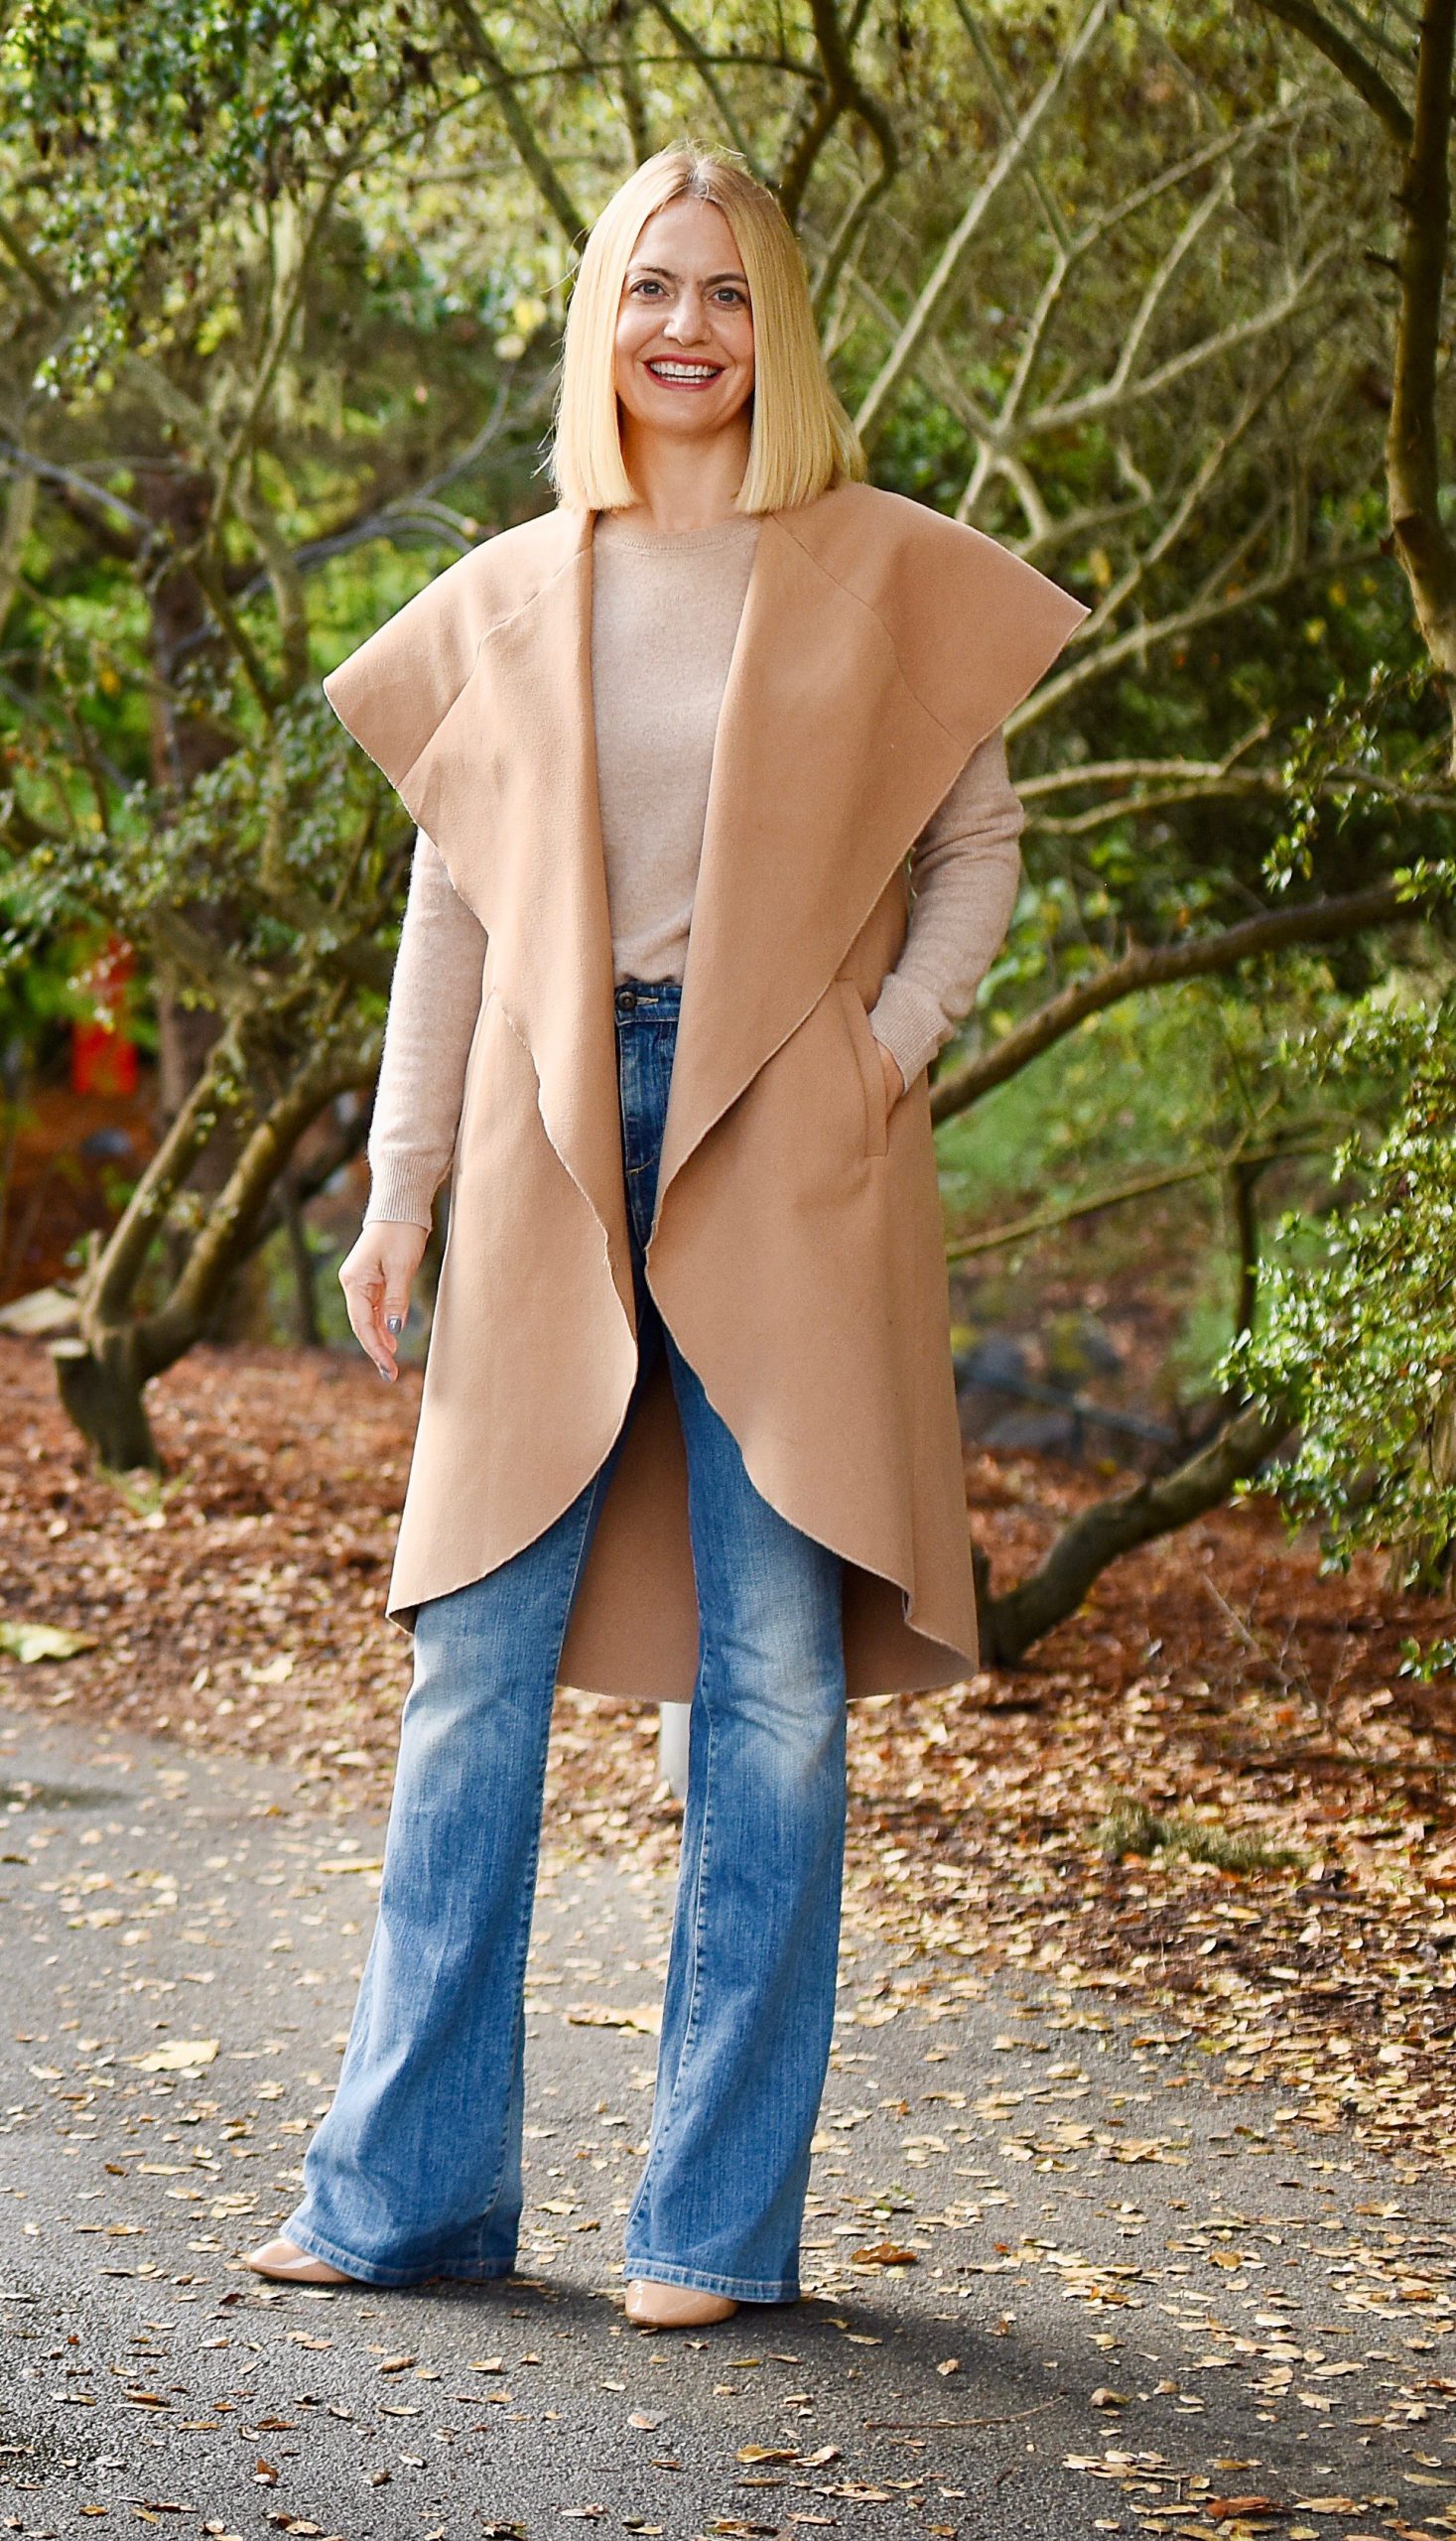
626, 997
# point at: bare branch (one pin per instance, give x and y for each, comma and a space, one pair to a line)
232, 1218
1159, 965
705, 63
1097, 1535
1413, 451
1121, 391
1207, 609
72, 482
536, 161
847, 86
115, 1271
1351, 65
1141, 1186
948, 264
1007, 104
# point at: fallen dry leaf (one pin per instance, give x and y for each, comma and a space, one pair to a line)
643, 2016
30, 1641
179, 2056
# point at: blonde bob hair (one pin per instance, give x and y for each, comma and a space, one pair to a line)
801, 440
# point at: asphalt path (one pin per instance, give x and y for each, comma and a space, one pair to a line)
1059, 2279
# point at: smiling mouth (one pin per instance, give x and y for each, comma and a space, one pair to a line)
685, 374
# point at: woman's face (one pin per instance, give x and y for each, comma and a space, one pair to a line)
685, 327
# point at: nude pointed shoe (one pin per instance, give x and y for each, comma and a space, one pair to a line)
292, 2266
675, 2307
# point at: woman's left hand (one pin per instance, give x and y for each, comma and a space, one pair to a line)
894, 1083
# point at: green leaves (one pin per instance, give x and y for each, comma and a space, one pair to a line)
154, 125
1358, 1330
1336, 751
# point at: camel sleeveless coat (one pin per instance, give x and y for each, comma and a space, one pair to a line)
797, 1252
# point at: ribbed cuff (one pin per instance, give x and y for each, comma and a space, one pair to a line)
401, 1192
909, 1023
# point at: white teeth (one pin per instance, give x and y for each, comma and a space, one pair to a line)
684, 370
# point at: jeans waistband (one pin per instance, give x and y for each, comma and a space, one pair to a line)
654, 998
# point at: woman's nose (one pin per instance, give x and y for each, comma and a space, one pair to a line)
686, 321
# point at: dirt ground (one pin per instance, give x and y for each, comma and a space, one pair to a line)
1215, 1789
70, 1154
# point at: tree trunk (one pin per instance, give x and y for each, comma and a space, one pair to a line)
103, 1371
1422, 536
1083, 1550
101, 1385
308, 1331
184, 748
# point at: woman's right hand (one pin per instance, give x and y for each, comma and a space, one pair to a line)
376, 1279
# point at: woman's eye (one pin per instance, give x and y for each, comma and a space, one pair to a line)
726, 291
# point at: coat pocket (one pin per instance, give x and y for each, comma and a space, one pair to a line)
872, 1070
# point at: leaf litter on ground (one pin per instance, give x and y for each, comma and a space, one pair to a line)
1213, 1794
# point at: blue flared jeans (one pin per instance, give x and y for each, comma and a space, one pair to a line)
416, 2169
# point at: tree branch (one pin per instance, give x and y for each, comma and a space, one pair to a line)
126, 1248
1350, 61
536, 161
1316, 922
1099, 1535
1013, 151
227, 1235
1141, 1186
1413, 455
1051, 209
1118, 392
703, 63
80, 493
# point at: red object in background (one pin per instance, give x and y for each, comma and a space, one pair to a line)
104, 1056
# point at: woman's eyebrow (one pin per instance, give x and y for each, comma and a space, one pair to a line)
667, 274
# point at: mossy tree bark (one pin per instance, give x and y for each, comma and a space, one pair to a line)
103, 1370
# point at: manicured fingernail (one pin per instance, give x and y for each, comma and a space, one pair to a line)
381, 1372
394, 1323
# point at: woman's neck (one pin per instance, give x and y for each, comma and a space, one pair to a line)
685, 484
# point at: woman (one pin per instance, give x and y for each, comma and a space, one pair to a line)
688, 1429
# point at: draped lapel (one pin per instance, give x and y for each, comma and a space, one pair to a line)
510, 795
475, 700
824, 768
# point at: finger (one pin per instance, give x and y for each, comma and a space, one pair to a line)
363, 1297
394, 1306
372, 1338
391, 1309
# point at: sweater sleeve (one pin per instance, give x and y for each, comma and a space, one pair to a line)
434, 1003
964, 868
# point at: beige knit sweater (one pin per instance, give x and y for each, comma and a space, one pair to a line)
665, 610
